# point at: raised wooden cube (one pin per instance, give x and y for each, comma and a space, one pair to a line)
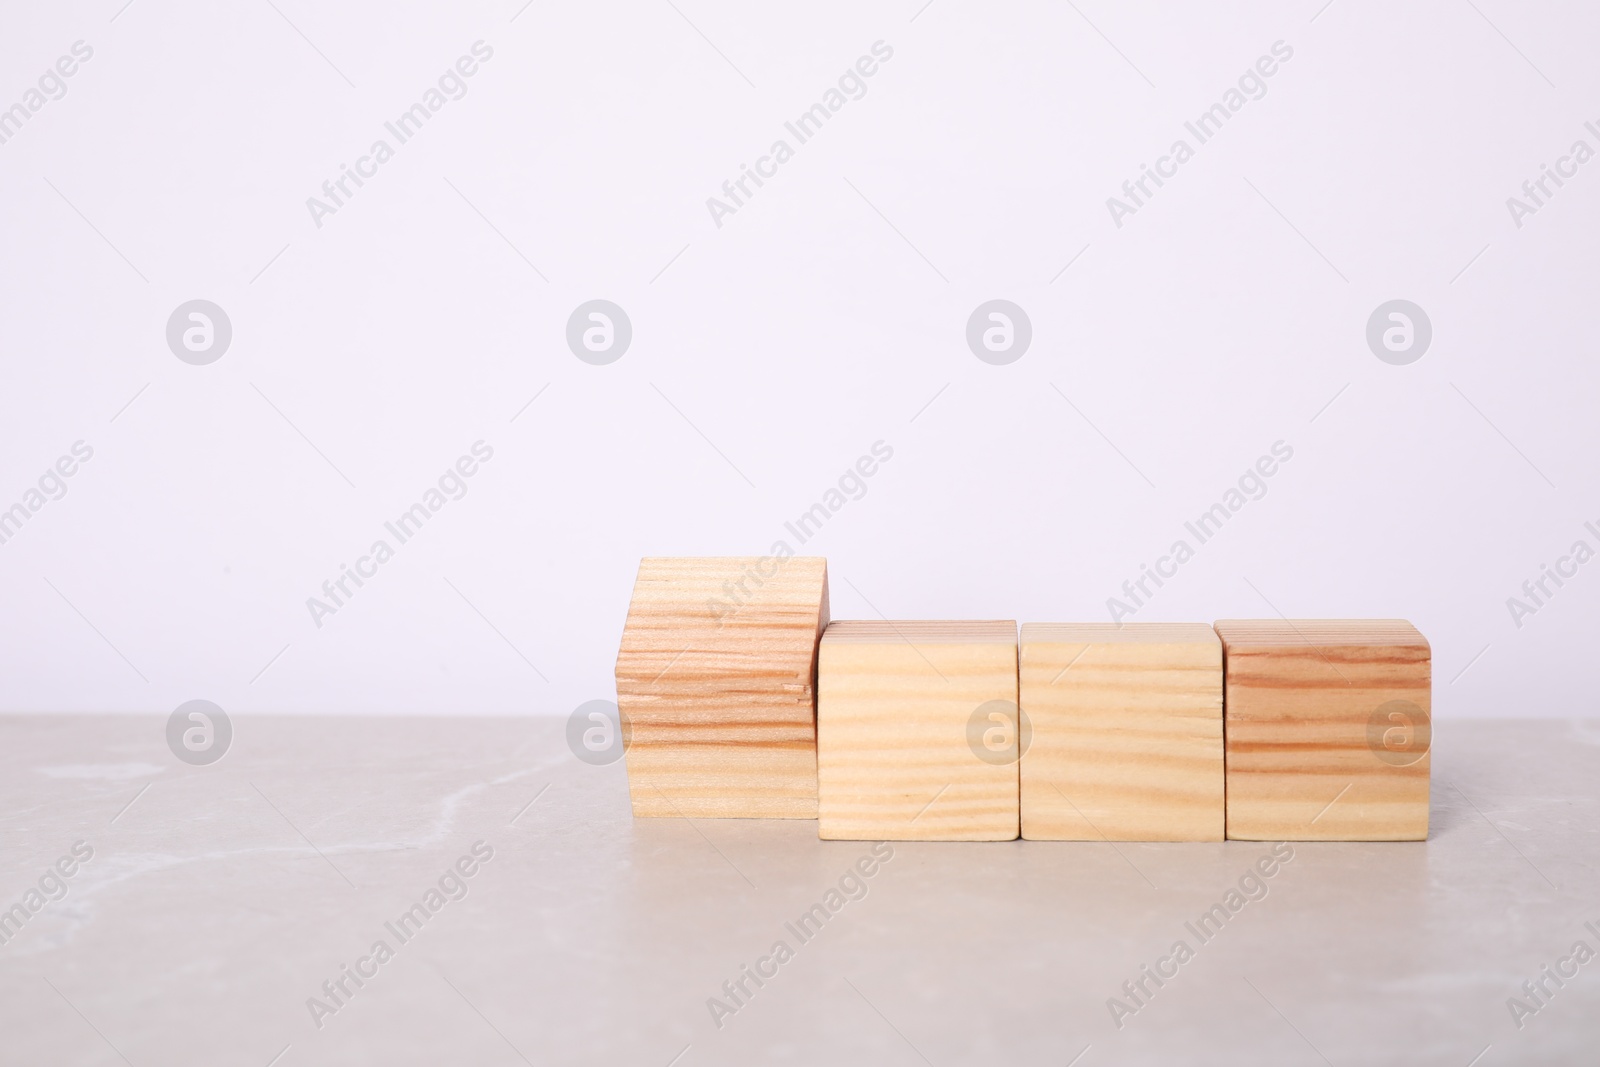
1328, 727
1123, 732
913, 724
715, 682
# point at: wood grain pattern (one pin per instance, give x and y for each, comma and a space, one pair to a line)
716, 685
895, 703
1328, 729
1124, 732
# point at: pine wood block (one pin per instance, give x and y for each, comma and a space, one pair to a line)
1123, 732
716, 686
896, 707
1328, 729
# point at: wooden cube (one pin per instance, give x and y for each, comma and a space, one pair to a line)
716, 685
1328, 728
1122, 731
903, 709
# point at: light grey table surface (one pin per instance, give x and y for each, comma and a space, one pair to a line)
219, 901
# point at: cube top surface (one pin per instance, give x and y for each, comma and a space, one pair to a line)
692, 584
1105, 633
1248, 634
920, 632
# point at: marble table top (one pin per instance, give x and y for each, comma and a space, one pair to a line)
464, 890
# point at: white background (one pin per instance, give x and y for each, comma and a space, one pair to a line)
369, 353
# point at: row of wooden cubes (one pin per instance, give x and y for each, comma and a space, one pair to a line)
740, 699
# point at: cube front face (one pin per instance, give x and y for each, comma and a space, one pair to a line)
1328, 726
716, 686
1124, 732
903, 709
